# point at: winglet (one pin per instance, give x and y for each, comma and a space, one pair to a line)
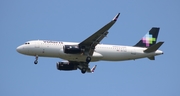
92, 70
116, 17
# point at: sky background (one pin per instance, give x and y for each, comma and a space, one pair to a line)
65, 20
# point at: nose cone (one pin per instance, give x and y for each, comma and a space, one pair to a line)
19, 49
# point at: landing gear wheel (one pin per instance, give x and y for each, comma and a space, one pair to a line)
35, 62
88, 59
83, 71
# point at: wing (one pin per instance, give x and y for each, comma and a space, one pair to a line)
90, 43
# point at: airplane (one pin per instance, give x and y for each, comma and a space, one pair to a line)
79, 55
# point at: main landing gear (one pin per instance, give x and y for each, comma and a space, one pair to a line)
83, 70
88, 59
36, 60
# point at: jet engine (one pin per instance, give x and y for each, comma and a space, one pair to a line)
66, 66
72, 49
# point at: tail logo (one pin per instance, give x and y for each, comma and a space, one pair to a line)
148, 39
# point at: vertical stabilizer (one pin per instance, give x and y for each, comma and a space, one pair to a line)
149, 39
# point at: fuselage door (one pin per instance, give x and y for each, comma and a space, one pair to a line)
37, 45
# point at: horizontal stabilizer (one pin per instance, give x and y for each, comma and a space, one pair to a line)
151, 58
154, 47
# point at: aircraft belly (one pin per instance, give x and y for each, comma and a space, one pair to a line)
79, 57
117, 55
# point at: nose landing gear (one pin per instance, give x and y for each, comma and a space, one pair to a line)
36, 60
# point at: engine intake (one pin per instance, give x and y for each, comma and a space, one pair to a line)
72, 49
66, 66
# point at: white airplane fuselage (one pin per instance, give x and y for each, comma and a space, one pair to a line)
46, 48
79, 55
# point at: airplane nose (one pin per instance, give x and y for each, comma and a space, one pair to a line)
19, 49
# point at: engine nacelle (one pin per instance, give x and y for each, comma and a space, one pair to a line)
72, 49
66, 66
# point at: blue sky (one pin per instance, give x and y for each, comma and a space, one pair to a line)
23, 20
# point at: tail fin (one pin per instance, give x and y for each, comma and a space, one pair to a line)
149, 39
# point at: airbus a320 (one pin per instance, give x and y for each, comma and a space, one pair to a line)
79, 55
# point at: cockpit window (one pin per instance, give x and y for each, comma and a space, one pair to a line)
27, 43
